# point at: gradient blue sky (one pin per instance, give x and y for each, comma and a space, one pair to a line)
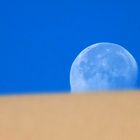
40, 39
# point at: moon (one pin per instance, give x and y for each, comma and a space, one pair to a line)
102, 67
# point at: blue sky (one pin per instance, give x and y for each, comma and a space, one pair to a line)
40, 39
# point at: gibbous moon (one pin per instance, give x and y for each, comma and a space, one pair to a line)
103, 66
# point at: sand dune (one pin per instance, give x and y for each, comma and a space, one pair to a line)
107, 116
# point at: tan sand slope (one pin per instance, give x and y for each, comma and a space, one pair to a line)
71, 117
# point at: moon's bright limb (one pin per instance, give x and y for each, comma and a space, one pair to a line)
103, 66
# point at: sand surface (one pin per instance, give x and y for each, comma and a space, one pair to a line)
111, 116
